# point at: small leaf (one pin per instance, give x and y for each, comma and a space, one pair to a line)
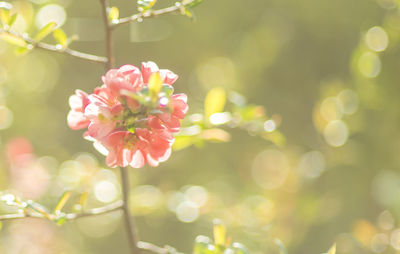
22, 50
203, 246
193, 3
275, 137
155, 85
62, 201
332, 250
12, 39
61, 220
113, 14
187, 12
12, 19
215, 135
4, 15
281, 247
60, 37
181, 142
44, 31
219, 233
145, 5
167, 89
214, 102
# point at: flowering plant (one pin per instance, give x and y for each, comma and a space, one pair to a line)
131, 118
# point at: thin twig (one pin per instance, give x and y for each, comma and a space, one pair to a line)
156, 249
129, 222
179, 6
54, 48
69, 216
108, 31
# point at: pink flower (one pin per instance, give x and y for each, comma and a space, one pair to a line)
127, 123
148, 68
168, 120
127, 77
76, 118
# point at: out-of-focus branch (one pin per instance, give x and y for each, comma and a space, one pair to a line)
179, 6
69, 216
54, 48
129, 222
156, 249
108, 32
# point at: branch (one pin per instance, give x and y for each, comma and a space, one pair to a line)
156, 249
53, 48
129, 222
69, 216
108, 30
152, 13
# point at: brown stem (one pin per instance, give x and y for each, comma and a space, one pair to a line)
129, 222
108, 31
152, 13
53, 48
69, 216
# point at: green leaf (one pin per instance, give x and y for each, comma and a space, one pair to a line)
12, 19
60, 37
61, 220
203, 246
44, 31
12, 39
188, 12
22, 50
332, 250
145, 5
193, 3
62, 201
113, 14
155, 85
281, 246
167, 89
4, 15
219, 233
214, 102
181, 142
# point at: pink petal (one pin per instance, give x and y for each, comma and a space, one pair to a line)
77, 120
148, 68
168, 76
138, 159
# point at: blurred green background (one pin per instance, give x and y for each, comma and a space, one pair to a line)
328, 69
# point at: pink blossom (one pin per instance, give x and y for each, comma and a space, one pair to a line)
128, 124
76, 118
148, 68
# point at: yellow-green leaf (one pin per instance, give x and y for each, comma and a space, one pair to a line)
332, 250
22, 50
155, 85
181, 142
4, 16
219, 233
12, 19
113, 13
83, 199
12, 39
215, 135
44, 31
62, 201
60, 37
214, 102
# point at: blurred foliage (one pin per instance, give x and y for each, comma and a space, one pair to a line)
325, 73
